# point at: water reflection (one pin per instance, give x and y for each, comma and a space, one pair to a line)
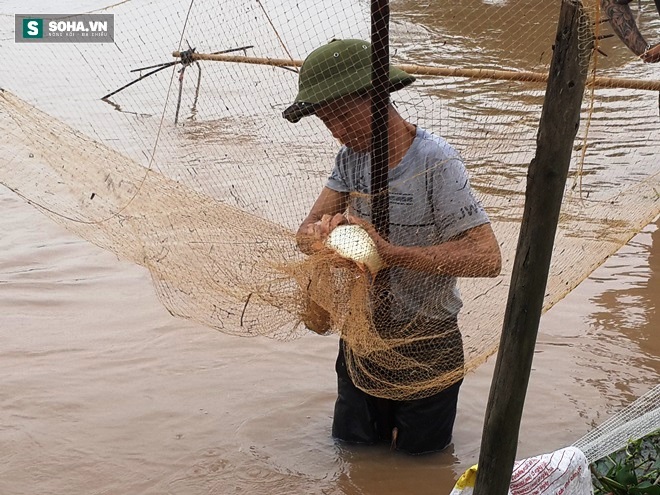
629, 315
493, 34
289, 446
599, 346
499, 33
379, 471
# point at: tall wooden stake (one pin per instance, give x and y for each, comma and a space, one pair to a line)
380, 96
546, 181
380, 99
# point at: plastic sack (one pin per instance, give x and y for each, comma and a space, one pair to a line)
564, 471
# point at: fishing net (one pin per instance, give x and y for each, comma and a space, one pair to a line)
195, 175
635, 421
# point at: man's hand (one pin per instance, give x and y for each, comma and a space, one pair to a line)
651, 55
382, 245
324, 216
474, 253
316, 318
312, 235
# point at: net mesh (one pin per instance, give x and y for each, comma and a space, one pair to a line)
635, 421
195, 174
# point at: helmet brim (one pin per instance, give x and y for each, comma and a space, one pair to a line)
301, 109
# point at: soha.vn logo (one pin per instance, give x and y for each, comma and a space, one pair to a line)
34, 28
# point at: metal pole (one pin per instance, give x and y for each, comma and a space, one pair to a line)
546, 181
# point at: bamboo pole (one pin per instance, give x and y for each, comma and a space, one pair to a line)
423, 70
546, 181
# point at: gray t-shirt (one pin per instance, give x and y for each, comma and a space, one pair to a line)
430, 202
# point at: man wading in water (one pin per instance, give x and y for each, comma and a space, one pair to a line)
438, 231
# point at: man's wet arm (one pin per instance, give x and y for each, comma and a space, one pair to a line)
623, 23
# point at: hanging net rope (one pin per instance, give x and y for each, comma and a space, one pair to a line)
193, 173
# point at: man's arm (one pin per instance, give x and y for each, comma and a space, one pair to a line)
623, 23
324, 216
473, 253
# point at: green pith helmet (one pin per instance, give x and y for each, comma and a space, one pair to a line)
340, 68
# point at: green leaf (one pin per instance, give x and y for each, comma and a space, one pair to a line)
656, 464
645, 488
626, 476
611, 485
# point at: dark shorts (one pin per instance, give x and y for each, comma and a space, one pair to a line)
423, 425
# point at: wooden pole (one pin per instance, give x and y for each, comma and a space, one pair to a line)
546, 181
422, 70
380, 98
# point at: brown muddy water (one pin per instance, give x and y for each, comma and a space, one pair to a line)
103, 392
